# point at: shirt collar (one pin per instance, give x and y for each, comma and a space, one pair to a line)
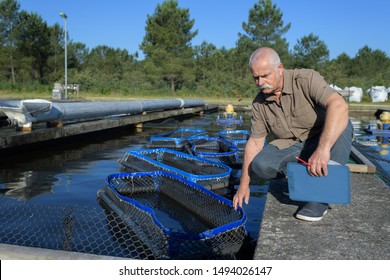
287, 82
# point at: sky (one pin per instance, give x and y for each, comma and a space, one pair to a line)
344, 25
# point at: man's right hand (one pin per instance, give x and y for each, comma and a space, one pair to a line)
242, 194
252, 148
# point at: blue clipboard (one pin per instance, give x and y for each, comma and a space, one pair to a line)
333, 188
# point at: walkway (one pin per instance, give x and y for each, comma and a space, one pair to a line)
357, 231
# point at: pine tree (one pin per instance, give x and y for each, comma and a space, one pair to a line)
265, 28
167, 44
310, 52
9, 19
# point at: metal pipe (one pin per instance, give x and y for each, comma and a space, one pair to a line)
36, 110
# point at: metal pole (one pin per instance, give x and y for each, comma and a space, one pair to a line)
64, 16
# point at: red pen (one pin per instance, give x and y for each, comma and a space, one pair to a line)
304, 162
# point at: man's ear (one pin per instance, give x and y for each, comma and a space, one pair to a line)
280, 69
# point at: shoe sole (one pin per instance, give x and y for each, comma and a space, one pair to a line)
310, 219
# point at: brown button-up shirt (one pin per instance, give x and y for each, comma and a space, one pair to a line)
301, 113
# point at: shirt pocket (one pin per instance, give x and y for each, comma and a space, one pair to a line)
304, 117
275, 126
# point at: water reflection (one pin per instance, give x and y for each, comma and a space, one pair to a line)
28, 184
36, 173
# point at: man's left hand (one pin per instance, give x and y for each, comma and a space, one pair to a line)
318, 162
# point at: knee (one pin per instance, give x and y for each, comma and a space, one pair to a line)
262, 169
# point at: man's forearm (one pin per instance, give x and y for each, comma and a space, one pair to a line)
252, 148
335, 123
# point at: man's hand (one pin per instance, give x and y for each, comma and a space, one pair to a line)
318, 162
252, 148
241, 195
335, 122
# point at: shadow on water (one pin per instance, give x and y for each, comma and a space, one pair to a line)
71, 172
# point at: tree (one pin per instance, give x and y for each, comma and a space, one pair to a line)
265, 28
371, 65
204, 63
34, 42
310, 52
338, 71
77, 53
104, 68
9, 19
56, 59
167, 43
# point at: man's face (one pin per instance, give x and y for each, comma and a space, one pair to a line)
266, 77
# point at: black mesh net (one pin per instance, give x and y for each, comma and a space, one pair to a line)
69, 228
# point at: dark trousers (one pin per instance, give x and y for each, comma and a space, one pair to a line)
271, 162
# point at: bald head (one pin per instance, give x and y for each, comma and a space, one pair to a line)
264, 54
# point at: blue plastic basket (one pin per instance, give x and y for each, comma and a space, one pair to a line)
175, 218
209, 174
176, 139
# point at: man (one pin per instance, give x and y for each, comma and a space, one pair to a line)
307, 118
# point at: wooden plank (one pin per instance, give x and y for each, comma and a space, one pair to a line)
362, 165
361, 168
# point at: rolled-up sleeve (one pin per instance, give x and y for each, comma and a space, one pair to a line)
319, 90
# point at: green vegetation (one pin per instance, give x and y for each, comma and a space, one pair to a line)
32, 58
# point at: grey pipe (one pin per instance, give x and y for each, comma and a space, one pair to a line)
30, 111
